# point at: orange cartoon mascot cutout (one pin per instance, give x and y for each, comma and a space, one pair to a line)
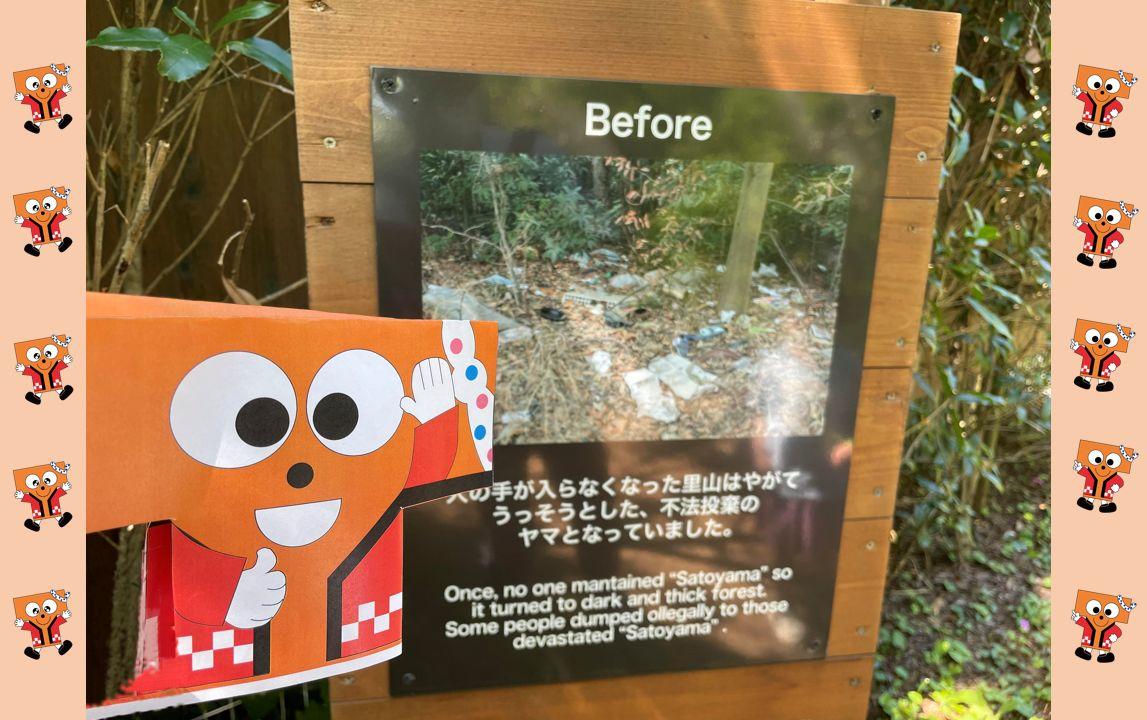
42, 89
41, 615
290, 443
1101, 222
43, 487
1100, 615
1102, 467
1098, 345
46, 360
1100, 91
42, 212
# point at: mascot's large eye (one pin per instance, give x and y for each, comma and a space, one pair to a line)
1093, 607
1109, 339
1110, 609
1095, 213
49, 607
1111, 85
32, 207
51, 351
32, 83
353, 402
32, 481
49, 478
1114, 216
1094, 82
33, 354
49, 80
31, 609
1113, 460
1091, 336
1095, 457
49, 203
233, 410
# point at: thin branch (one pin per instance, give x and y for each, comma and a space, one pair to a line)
271, 297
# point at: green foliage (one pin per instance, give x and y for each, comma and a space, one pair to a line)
184, 56
981, 417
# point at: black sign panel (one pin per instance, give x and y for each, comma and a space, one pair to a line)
682, 278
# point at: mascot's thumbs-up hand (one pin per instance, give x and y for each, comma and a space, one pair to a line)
259, 593
433, 390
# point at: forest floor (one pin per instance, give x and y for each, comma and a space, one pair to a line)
592, 348
958, 639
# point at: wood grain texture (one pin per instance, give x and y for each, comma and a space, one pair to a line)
777, 692
849, 49
880, 416
855, 626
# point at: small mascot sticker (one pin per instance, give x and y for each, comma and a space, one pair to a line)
41, 615
44, 360
1098, 345
1100, 616
1101, 221
1100, 465
42, 487
1100, 89
42, 89
42, 212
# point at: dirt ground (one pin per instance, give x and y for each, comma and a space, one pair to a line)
643, 355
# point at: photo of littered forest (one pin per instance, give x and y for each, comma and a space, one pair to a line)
641, 299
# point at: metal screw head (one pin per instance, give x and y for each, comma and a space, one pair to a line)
935, 47
330, 143
407, 678
854, 682
901, 342
891, 396
862, 630
878, 492
870, 545
875, 114
921, 156
319, 6
390, 85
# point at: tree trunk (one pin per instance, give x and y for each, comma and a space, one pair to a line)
600, 181
742, 258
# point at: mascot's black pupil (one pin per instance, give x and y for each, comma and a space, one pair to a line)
262, 422
335, 416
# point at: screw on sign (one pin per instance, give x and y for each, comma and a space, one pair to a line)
290, 443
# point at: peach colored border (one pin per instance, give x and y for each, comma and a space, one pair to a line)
42, 296
1089, 550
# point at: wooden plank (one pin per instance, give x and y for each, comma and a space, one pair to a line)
341, 259
902, 262
341, 265
857, 49
855, 625
777, 692
880, 417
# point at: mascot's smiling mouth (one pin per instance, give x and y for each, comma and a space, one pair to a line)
298, 525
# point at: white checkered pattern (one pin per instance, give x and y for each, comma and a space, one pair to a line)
370, 620
221, 641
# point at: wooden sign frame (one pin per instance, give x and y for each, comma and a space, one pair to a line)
839, 47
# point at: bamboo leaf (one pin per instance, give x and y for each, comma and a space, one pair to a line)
992, 319
185, 19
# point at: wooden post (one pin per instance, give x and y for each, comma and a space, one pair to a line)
751, 206
841, 47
